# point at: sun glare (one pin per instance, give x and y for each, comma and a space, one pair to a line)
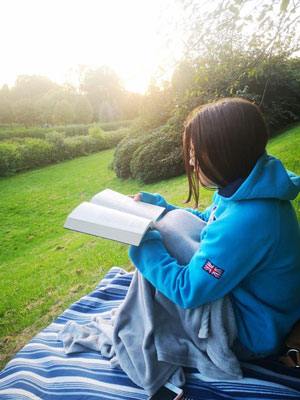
50, 37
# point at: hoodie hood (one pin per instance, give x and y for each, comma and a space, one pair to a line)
268, 180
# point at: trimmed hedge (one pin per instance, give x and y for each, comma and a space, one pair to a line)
34, 153
33, 132
80, 146
27, 153
114, 137
37, 132
74, 130
57, 139
9, 158
115, 125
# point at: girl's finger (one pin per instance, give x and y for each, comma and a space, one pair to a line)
136, 197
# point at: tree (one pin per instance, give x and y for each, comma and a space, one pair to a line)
233, 43
131, 104
25, 112
63, 113
28, 99
155, 109
83, 110
104, 91
5, 93
257, 30
31, 87
45, 104
6, 113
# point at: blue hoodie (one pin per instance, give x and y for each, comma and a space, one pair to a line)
250, 248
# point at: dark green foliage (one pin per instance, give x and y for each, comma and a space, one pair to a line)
150, 156
160, 158
274, 87
277, 89
124, 153
233, 52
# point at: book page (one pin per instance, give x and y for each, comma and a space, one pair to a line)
108, 223
111, 199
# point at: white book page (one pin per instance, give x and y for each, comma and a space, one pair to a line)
111, 199
108, 223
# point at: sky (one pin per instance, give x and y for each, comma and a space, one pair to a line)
52, 37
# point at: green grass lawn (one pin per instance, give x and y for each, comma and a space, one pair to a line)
44, 268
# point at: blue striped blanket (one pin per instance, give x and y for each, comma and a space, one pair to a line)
41, 370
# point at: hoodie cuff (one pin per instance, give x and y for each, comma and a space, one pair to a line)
148, 198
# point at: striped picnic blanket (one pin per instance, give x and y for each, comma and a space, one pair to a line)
41, 370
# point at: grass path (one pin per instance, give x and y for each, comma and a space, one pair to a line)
44, 268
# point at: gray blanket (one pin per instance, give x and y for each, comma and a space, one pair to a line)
151, 338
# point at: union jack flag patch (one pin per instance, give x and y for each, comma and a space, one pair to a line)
213, 270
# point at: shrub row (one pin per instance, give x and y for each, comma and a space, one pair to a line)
21, 132
23, 154
115, 125
68, 130
150, 157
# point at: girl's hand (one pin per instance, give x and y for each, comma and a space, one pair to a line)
135, 197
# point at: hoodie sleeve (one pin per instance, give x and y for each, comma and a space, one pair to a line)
230, 249
159, 200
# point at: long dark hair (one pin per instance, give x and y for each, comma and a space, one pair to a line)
226, 138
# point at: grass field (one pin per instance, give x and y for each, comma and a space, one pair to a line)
44, 268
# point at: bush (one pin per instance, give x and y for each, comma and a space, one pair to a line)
78, 146
113, 138
57, 139
124, 153
7, 132
41, 132
9, 158
35, 153
74, 130
161, 157
150, 156
92, 144
25, 153
115, 125
96, 132
20, 132
82, 145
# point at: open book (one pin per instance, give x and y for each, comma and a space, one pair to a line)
114, 216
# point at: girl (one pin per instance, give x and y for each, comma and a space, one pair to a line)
250, 247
